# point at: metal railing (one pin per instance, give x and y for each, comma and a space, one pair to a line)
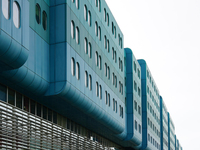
22, 130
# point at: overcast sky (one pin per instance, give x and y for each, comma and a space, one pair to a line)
167, 35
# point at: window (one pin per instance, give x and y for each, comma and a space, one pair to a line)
106, 98
105, 69
90, 50
85, 12
107, 19
113, 104
99, 6
89, 18
134, 66
139, 128
72, 29
6, 8
96, 58
86, 79
77, 71
138, 91
77, 35
120, 86
77, 4
99, 33
96, 3
138, 73
113, 79
11, 97
113, 53
105, 14
108, 72
38, 13
3, 93
135, 125
105, 39
16, 14
108, 47
96, 28
135, 86
99, 62
86, 45
139, 110
97, 89
90, 82
115, 56
119, 63
135, 104
73, 66
100, 92
44, 20
19, 100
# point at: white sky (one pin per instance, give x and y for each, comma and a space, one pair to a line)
167, 35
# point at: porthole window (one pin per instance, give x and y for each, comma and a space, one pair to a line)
16, 14
77, 35
73, 66
6, 8
89, 18
90, 50
72, 29
77, 71
44, 20
38, 13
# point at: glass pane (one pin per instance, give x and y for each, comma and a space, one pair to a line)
99, 62
6, 8
19, 100
11, 97
16, 14
96, 28
100, 93
108, 45
32, 107
77, 4
54, 117
97, 89
106, 99
44, 112
3, 93
39, 110
108, 72
26, 104
38, 13
44, 20
49, 114
105, 69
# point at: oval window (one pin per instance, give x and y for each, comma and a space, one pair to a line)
6, 8
38, 13
44, 20
16, 14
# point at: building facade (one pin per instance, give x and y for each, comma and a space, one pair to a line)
66, 81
